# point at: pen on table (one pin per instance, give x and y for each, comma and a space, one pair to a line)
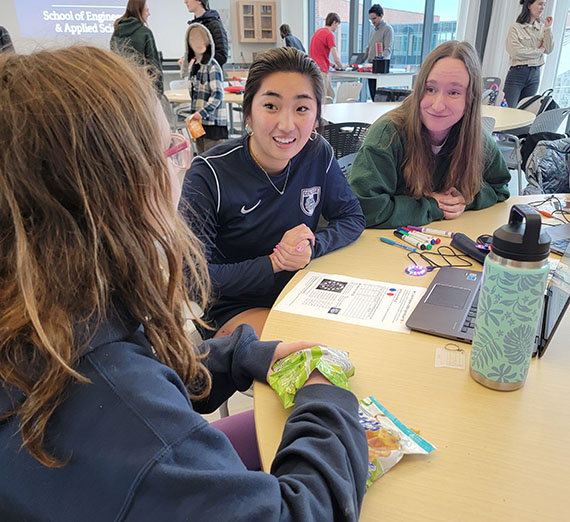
395, 243
420, 240
432, 231
421, 235
411, 240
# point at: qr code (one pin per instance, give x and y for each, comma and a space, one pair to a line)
331, 285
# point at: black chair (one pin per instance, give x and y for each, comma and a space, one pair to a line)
345, 138
385, 94
346, 162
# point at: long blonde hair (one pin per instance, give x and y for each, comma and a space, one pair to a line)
83, 179
466, 168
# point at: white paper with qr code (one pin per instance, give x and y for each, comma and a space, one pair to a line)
350, 300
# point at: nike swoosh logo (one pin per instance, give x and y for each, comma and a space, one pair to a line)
248, 210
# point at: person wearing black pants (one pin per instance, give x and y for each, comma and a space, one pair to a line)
528, 40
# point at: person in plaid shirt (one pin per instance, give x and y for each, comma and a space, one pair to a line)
206, 86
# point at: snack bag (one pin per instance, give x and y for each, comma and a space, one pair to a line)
388, 438
292, 371
195, 128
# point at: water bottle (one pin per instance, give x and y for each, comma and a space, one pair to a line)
511, 297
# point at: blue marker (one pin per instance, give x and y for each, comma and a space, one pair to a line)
391, 242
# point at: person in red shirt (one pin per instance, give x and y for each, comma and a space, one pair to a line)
322, 44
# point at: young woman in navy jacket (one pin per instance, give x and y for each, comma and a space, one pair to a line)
256, 201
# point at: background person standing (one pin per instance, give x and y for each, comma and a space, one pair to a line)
290, 39
382, 33
322, 45
132, 35
211, 19
528, 40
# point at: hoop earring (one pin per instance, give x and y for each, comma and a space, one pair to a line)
248, 129
313, 135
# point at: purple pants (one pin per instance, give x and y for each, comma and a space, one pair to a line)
240, 429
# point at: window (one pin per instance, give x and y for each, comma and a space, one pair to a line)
444, 22
562, 83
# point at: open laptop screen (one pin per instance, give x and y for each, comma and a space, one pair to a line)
557, 301
357, 58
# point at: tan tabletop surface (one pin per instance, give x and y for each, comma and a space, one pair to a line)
183, 96
505, 118
501, 456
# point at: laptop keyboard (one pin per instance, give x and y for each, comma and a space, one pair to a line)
469, 323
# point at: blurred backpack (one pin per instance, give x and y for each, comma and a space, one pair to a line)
538, 103
548, 168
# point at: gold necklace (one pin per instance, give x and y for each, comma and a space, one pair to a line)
280, 192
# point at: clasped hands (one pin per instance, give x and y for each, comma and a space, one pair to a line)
293, 251
451, 202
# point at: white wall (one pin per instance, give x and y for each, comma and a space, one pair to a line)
168, 22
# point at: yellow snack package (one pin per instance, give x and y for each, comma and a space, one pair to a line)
388, 438
195, 128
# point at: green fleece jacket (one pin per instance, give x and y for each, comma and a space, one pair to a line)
377, 179
132, 35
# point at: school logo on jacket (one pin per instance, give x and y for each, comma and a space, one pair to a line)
310, 198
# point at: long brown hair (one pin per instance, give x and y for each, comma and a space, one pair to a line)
85, 197
465, 170
524, 16
135, 9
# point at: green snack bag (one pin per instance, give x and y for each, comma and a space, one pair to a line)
291, 372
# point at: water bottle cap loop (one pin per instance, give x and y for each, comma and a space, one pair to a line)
522, 239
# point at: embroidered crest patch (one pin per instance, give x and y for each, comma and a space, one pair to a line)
310, 198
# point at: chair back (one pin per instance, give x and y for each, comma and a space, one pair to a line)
346, 162
490, 87
387, 94
549, 121
345, 138
488, 123
348, 92
178, 84
489, 82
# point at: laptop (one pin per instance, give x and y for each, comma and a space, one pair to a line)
357, 58
449, 306
560, 237
556, 302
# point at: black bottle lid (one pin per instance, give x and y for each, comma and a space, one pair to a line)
521, 239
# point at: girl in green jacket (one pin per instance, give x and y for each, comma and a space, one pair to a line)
429, 159
132, 35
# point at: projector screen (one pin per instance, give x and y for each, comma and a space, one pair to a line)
46, 19
35, 24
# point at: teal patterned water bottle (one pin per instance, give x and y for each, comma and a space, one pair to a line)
510, 300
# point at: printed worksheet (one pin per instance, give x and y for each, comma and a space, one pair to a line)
350, 300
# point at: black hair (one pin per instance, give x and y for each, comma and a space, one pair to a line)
376, 9
284, 30
331, 19
524, 16
282, 59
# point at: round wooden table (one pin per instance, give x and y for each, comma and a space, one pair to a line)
501, 456
505, 118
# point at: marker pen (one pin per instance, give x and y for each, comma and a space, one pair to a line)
394, 243
432, 231
411, 235
421, 235
411, 240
